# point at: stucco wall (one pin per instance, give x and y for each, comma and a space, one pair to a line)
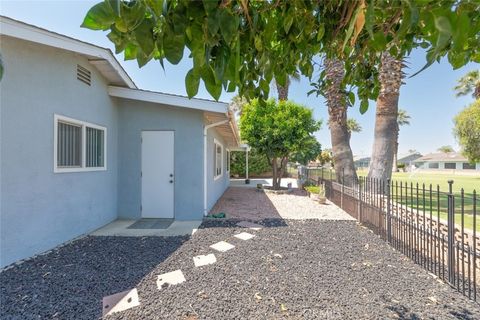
39, 208
215, 187
136, 116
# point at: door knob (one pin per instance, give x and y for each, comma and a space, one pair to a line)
171, 175
171, 181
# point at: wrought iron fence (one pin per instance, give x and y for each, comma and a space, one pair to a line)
437, 229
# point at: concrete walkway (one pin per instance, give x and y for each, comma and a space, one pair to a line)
120, 228
249, 203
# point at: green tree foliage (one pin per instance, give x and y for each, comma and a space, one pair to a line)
467, 131
277, 130
308, 151
325, 157
244, 45
446, 149
469, 84
257, 163
353, 126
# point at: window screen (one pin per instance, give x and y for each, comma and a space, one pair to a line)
69, 145
94, 147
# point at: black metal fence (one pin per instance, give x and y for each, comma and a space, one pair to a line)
437, 229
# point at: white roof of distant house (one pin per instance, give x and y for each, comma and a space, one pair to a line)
442, 157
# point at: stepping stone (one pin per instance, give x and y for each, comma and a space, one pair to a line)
120, 301
169, 279
203, 260
244, 236
250, 225
222, 246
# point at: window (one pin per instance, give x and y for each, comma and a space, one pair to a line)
433, 165
218, 160
228, 160
450, 165
468, 166
78, 145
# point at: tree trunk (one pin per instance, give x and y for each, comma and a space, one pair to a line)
386, 125
283, 91
275, 185
395, 158
337, 111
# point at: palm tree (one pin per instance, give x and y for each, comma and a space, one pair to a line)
403, 119
469, 83
283, 90
337, 112
353, 126
386, 126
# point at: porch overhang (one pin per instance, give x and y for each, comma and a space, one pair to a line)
228, 130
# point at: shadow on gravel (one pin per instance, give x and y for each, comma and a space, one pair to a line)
247, 204
403, 313
463, 314
70, 282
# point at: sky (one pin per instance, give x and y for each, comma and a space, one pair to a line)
428, 97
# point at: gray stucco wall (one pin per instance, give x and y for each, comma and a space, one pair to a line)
136, 116
39, 208
215, 188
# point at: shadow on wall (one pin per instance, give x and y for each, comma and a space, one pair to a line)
71, 281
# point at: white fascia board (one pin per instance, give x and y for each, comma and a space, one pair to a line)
20, 30
168, 99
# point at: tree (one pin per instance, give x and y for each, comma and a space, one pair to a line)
325, 157
307, 151
446, 149
353, 126
403, 119
282, 91
469, 83
257, 163
467, 131
236, 104
337, 122
277, 129
386, 126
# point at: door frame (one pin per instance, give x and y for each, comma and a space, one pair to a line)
174, 166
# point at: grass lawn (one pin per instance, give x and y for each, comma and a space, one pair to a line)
468, 183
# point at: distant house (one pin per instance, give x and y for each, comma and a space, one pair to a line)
82, 146
445, 161
361, 162
408, 158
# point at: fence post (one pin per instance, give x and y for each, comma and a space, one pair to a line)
389, 217
360, 184
343, 190
451, 234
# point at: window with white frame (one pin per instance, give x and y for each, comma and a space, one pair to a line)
228, 160
78, 145
218, 160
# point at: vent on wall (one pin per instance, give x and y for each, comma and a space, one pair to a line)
84, 75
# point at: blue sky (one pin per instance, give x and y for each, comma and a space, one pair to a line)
428, 97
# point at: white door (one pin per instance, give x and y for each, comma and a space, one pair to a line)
158, 177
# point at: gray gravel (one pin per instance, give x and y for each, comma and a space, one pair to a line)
290, 270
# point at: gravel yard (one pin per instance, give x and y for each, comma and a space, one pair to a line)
250, 203
290, 270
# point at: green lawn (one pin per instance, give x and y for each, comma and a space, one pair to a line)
468, 183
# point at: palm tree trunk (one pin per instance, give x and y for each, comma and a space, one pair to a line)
386, 126
337, 111
283, 91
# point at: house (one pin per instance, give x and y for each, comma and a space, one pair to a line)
82, 146
361, 162
445, 161
408, 158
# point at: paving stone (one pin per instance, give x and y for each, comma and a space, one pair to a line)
250, 225
203, 260
170, 278
244, 236
120, 301
222, 246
